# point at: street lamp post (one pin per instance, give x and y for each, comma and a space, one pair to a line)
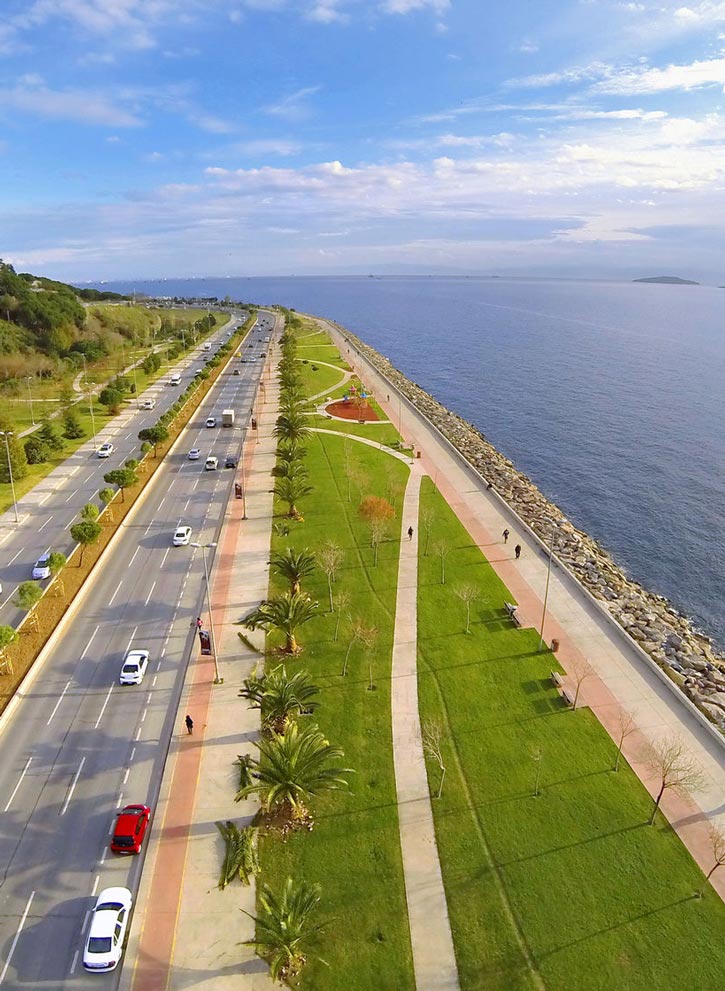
548, 578
90, 398
6, 434
30, 399
217, 679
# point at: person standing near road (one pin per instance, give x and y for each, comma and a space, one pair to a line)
517, 551
189, 724
198, 623
505, 536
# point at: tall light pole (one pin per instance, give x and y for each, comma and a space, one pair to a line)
217, 679
30, 398
90, 398
548, 578
6, 434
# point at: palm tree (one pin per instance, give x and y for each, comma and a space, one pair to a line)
286, 613
290, 465
284, 927
292, 428
292, 767
294, 566
290, 490
279, 696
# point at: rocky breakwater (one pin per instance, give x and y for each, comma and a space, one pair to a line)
684, 654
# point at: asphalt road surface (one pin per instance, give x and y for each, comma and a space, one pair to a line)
79, 746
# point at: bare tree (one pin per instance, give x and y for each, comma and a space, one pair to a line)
342, 601
432, 740
442, 548
330, 558
377, 513
467, 593
360, 632
670, 761
578, 670
427, 521
717, 845
537, 755
627, 725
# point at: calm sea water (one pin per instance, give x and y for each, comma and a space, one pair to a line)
608, 395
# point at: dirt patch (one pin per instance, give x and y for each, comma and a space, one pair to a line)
353, 409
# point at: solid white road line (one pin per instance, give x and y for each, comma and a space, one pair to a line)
103, 707
20, 781
89, 477
125, 777
163, 559
74, 962
73, 786
133, 753
187, 503
45, 498
162, 502
60, 699
85, 649
17, 936
110, 601
68, 499
128, 645
95, 887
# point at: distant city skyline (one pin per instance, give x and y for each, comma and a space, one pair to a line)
178, 138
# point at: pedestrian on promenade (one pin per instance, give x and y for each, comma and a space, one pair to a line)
517, 551
505, 536
388, 396
189, 724
199, 623
410, 533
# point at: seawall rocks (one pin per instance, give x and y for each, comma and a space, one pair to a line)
683, 653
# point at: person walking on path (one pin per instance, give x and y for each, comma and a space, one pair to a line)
189, 724
505, 536
517, 551
410, 533
199, 623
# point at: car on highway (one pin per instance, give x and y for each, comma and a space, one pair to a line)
194, 454
236, 371
182, 536
148, 404
230, 462
199, 371
134, 667
109, 922
211, 421
130, 829
105, 450
41, 568
211, 463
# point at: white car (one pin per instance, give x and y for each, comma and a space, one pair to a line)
211, 421
109, 922
182, 536
194, 454
105, 450
41, 568
211, 463
148, 404
134, 667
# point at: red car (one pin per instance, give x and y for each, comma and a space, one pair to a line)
130, 830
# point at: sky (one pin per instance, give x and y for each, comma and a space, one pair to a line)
160, 138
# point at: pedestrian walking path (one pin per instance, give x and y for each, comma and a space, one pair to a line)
620, 680
434, 960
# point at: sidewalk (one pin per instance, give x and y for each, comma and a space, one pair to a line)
620, 679
181, 915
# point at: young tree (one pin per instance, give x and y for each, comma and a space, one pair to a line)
240, 853
112, 399
122, 477
154, 435
8, 635
107, 496
90, 512
427, 522
670, 761
72, 427
717, 845
537, 755
27, 597
50, 436
330, 557
361, 633
292, 428
341, 601
578, 671
14, 451
285, 928
85, 534
293, 767
432, 740
56, 563
627, 726
293, 566
37, 451
279, 697
286, 613
467, 593
442, 548
291, 490
377, 513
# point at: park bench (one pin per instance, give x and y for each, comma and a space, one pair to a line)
511, 610
556, 678
569, 699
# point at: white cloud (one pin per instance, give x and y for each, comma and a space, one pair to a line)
327, 12
406, 6
294, 106
79, 106
710, 72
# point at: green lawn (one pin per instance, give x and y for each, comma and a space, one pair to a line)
323, 378
568, 890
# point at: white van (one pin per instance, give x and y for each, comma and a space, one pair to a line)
207, 346
175, 379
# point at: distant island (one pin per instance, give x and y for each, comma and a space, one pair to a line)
671, 280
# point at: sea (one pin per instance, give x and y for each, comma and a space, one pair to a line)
608, 395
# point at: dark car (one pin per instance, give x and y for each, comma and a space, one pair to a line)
230, 462
130, 830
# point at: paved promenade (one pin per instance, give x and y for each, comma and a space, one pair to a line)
620, 680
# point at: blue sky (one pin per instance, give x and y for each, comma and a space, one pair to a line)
149, 138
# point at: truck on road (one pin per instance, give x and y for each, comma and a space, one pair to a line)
227, 417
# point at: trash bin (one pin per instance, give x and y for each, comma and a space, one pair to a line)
254, 424
554, 645
418, 454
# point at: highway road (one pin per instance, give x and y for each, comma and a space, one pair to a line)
79, 746
48, 510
